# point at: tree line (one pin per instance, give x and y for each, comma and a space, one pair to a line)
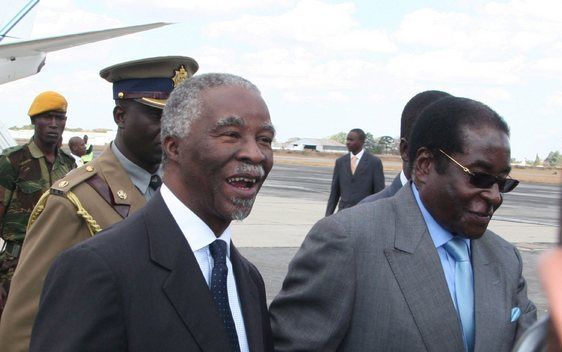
374, 145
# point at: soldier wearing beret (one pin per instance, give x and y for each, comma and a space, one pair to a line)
113, 186
26, 172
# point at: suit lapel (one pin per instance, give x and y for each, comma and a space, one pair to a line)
249, 300
416, 266
491, 302
185, 286
396, 184
347, 165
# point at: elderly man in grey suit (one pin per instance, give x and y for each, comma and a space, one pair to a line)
373, 279
410, 115
357, 174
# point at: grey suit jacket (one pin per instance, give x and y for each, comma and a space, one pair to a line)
137, 287
386, 192
369, 278
349, 188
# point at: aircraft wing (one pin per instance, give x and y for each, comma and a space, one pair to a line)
36, 46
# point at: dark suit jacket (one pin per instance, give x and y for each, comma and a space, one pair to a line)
369, 278
137, 287
386, 192
350, 189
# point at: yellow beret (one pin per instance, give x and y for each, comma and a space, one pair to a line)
47, 101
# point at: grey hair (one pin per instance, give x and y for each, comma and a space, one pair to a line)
184, 104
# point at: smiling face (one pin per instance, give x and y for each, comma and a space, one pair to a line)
226, 156
49, 126
452, 200
77, 146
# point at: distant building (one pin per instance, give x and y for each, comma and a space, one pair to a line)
318, 144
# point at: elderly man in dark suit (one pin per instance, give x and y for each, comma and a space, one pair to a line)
418, 271
168, 278
356, 174
410, 115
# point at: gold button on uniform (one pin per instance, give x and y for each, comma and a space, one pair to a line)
121, 194
63, 184
89, 168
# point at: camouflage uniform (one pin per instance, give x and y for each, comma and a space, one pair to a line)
24, 177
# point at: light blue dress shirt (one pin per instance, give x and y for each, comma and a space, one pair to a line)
139, 176
440, 236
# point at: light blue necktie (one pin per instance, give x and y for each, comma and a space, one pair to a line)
464, 289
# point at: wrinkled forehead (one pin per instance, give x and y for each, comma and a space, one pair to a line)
237, 121
486, 147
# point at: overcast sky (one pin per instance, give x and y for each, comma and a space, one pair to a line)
322, 66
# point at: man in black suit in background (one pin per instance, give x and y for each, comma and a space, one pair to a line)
168, 278
356, 174
410, 115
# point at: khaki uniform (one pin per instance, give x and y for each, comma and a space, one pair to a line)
25, 175
87, 200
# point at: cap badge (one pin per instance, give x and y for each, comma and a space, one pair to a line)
121, 194
179, 76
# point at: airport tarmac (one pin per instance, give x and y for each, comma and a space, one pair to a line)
286, 209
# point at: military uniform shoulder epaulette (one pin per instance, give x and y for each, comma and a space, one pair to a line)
12, 150
63, 188
72, 179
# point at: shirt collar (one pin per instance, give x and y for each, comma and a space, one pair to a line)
198, 234
438, 234
139, 176
34, 149
358, 155
403, 178
36, 152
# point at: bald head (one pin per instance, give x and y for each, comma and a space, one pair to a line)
77, 146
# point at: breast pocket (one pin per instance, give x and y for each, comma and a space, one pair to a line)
29, 193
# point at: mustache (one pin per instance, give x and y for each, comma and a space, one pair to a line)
250, 169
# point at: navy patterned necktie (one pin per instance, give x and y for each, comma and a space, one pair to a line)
219, 291
155, 182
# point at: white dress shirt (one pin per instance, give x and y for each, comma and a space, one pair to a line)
199, 236
403, 178
358, 155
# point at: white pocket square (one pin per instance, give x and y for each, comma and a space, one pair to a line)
515, 314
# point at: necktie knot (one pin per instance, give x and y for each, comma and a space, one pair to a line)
218, 251
155, 182
458, 249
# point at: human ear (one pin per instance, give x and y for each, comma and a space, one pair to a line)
119, 116
422, 165
170, 146
404, 149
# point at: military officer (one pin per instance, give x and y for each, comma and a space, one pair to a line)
26, 172
114, 185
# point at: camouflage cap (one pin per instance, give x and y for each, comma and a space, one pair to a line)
149, 81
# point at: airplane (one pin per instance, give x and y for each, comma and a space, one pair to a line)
26, 58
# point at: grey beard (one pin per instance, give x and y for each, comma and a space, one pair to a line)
243, 208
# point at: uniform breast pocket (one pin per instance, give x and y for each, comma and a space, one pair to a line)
29, 193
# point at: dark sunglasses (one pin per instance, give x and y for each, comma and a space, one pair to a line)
484, 180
